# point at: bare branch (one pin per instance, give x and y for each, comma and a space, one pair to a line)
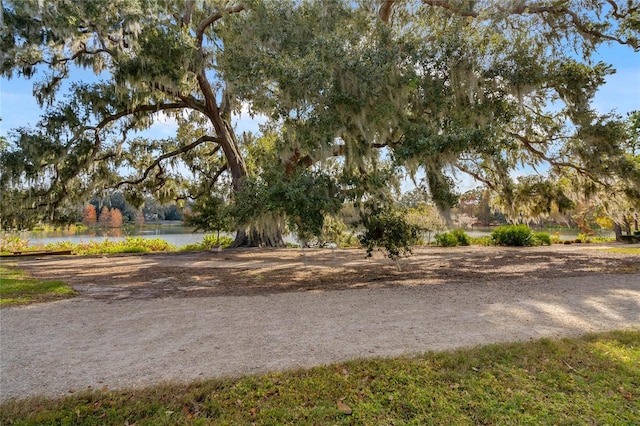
529, 145
213, 18
157, 162
188, 10
476, 176
446, 5
138, 109
524, 8
385, 10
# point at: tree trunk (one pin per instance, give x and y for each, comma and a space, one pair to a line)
627, 225
256, 238
618, 230
220, 118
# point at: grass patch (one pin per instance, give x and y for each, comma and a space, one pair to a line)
623, 250
590, 380
18, 289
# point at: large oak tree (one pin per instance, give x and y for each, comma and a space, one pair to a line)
440, 87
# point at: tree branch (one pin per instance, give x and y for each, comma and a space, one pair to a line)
524, 8
213, 18
476, 176
446, 5
138, 109
385, 10
157, 161
528, 144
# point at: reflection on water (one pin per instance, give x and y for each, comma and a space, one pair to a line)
173, 234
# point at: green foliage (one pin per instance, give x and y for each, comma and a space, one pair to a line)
437, 89
304, 198
583, 238
456, 237
541, 239
446, 239
210, 213
513, 235
586, 380
386, 228
208, 242
482, 241
129, 245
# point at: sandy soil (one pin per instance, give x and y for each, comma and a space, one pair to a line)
144, 319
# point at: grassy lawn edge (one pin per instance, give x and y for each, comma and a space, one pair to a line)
18, 289
593, 379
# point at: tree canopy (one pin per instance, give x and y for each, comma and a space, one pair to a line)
357, 94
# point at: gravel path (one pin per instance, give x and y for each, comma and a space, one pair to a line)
55, 348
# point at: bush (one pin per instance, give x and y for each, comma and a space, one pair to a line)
208, 242
454, 238
10, 243
583, 238
386, 229
446, 239
482, 241
541, 239
513, 235
461, 236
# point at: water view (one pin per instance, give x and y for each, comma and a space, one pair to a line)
180, 235
175, 234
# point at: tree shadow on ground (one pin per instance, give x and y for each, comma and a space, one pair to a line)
258, 272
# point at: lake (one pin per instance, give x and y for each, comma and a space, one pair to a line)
177, 235
180, 235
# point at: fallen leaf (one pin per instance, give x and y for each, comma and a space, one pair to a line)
343, 408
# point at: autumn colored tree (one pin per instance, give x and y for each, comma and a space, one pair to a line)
139, 218
89, 215
105, 217
115, 218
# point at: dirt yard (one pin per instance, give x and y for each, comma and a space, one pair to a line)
145, 319
250, 272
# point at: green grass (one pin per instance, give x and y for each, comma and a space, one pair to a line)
590, 380
624, 250
18, 289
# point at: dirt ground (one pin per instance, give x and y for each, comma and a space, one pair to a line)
140, 320
250, 272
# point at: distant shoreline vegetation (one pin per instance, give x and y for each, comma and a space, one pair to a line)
10, 243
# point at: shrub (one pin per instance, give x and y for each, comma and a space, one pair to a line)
513, 235
482, 241
208, 242
385, 228
10, 243
583, 238
603, 239
555, 238
446, 239
541, 239
461, 236
454, 238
